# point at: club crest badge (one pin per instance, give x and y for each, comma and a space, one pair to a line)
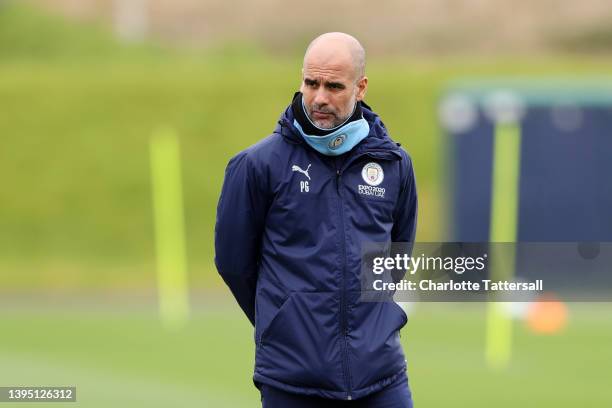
372, 174
337, 142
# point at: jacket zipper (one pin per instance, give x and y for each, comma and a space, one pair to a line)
343, 306
343, 302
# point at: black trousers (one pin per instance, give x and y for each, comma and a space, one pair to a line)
396, 395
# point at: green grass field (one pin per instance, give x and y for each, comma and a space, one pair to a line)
120, 356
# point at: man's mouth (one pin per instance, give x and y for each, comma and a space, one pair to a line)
320, 115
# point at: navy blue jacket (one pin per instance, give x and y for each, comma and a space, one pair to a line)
290, 223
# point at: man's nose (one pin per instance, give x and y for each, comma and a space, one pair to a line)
321, 97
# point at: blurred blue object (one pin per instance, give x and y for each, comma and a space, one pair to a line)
565, 193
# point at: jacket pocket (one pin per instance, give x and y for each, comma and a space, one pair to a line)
270, 325
375, 348
301, 345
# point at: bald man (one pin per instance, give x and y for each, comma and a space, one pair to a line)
294, 212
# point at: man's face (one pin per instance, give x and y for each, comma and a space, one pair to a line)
330, 89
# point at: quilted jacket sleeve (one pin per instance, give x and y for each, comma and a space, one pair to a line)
239, 227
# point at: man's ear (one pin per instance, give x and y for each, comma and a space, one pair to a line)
362, 87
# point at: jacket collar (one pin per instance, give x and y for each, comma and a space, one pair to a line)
378, 140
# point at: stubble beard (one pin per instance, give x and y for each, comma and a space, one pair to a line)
325, 123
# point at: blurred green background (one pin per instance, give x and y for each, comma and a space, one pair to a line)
78, 305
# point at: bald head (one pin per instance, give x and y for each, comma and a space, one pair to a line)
337, 49
333, 79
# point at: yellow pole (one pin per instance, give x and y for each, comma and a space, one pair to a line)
503, 228
169, 228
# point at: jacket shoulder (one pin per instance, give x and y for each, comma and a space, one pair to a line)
406, 158
262, 152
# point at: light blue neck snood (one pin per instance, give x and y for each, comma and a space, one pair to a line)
341, 140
